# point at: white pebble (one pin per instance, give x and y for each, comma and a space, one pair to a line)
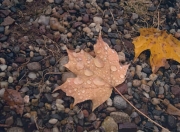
3, 67
2, 74
98, 20
153, 77
2, 92
32, 75
53, 121
10, 79
109, 102
2, 61
3, 84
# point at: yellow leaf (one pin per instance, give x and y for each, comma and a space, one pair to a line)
96, 76
161, 45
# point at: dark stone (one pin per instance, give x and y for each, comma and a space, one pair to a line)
77, 24
120, 22
3, 38
105, 29
178, 21
85, 18
127, 127
171, 121
176, 90
113, 41
2, 28
52, 61
16, 49
157, 112
20, 59
37, 58
152, 8
49, 97
149, 125
147, 70
56, 116
41, 104
113, 35
58, 1
13, 9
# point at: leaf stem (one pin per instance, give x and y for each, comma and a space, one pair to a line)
139, 110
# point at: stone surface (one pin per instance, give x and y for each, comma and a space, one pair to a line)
109, 125
120, 117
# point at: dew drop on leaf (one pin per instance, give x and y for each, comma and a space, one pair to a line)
98, 81
98, 62
88, 82
121, 76
88, 72
79, 66
78, 80
113, 68
74, 54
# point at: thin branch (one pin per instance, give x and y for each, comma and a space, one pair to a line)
140, 111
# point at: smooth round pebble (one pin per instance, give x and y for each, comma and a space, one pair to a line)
119, 102
53, 121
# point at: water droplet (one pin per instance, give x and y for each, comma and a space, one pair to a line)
88, 61
113, 68
98, 81
98, 62
83, 91
106, 48
70, 91
79, 66
79, 93
74, 54
99, 51
88, 82
78, 80
75, 89
121, 76
88, 72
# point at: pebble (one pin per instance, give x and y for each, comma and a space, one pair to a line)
120, 22
109, 102
8, 21
119, 102
109, 125
10, 79
52, 61
127, 36
3, 84
42, 52
155, 101
2, 29
53, 121
120, 117
55, 129
15, 129
153, 77
9, 121
134, 16
32, 75
3, 67
146, 88
171, 121
161, 90
34, 66
97, 20
128, 127
136, 83
92, 117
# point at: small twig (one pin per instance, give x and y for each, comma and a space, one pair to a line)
139, 110
158, 21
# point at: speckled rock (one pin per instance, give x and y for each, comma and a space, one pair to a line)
120, 117
109, 125
119, 102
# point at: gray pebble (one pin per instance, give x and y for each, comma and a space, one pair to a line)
119, 102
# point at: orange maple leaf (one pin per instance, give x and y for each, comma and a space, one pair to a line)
161, 45
95, 76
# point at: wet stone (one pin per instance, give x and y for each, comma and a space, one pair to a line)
127, 127
119, 102
120, 117
52, 61
113, 35
109, 125
172, 121
2, 29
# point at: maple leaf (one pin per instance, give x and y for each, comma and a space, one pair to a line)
14, 100
96, 76
161, 45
